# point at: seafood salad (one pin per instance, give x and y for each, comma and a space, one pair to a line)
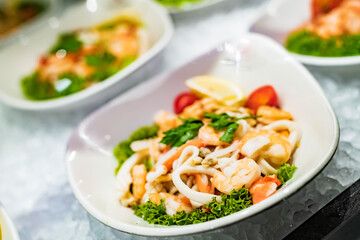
84, 57
332, 31
218, 153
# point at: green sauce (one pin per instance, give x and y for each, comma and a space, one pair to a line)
307, 43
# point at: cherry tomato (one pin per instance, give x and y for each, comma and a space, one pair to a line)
265, 95
183, 100
323, 6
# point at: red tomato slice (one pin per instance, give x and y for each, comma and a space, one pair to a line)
183, 100
265, 95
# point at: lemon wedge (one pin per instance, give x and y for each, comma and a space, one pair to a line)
220, 89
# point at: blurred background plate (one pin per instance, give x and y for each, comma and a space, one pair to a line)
8, 230
13, 68
280, 17
51, 8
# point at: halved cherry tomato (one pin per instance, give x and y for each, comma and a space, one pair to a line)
265, 95
323, 6
183, 100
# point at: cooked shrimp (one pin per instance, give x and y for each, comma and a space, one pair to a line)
266, 144
50, 67
344, 19
173, 203
166, 121
238, 174
271, 114
139, 180
207, 134
264, 188
124, 42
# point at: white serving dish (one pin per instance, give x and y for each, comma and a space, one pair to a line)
280, 17
8, 229
251, 60
20, 58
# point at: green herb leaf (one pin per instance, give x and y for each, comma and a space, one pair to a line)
285, 172
98, 59
177, 3
178, 136
224, 121
156, 214
123, 151
67, 41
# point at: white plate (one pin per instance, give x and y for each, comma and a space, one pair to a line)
20, 58
8, 229
250, 60
280, 17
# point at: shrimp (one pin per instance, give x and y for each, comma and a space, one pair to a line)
209, 136
266, 144
166, 121
238, 174
264, 188
342, 20
139, 180
124, 42
205, 105
272, 114
172, 203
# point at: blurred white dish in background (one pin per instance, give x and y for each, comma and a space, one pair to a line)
281, 17
8, 230
20, 58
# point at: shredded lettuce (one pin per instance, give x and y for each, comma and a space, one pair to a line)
285, 172
156, 214
123, 151
308, 43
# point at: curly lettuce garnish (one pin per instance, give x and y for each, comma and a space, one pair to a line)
156, 214
307, 43
123, 151
285, 172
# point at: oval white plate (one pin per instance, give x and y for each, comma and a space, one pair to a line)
280, 17
20, 58
250, 60
8, 229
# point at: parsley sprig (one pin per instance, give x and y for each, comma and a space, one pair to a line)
224, 121
156, 214
178, 136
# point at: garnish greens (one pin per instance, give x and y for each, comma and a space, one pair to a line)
156, 214
307, 43
224, 121
285, 172
123, 151
36, 89
68, 42
178, 136
177, 3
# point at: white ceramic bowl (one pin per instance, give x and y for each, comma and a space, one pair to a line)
250, 60
20, 58
280, 17
8, 229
